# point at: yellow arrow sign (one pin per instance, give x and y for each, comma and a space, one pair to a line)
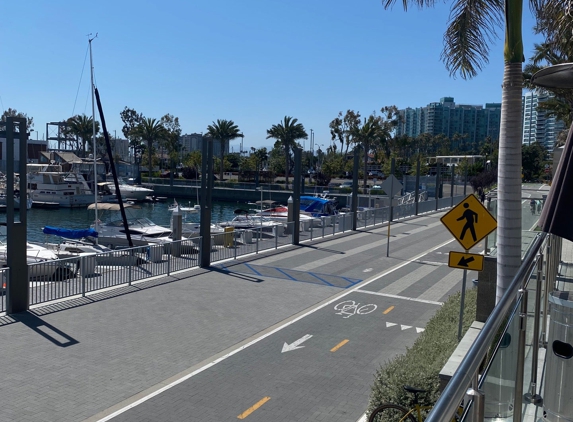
466, 261
469, 222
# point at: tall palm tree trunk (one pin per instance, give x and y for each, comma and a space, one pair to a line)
509, 179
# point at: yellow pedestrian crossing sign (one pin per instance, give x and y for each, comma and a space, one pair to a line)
465, 261
469, 222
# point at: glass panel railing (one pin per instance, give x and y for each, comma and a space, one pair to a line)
498, 383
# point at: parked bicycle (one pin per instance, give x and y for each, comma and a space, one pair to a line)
389, 412
350, 307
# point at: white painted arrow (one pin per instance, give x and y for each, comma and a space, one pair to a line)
419, 330
295, 345
390, 324
405, 327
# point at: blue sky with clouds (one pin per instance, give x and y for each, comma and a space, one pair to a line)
252, 61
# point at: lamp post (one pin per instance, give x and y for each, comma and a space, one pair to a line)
320, 146
261, 189
312, 142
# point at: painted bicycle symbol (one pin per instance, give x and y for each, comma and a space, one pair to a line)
348, 308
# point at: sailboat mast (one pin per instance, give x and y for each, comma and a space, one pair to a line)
94, 134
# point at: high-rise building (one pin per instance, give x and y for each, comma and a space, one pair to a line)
194, 142
448, 118
537, 126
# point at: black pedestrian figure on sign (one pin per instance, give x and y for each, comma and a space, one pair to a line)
471, 217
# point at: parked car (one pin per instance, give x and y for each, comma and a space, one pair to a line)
347, 185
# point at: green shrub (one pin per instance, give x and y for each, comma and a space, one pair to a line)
420, 365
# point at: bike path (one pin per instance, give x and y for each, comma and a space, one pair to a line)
338, 388
330, 372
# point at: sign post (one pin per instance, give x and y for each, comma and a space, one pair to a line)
469, 222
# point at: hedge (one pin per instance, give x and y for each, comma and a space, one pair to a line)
420, 365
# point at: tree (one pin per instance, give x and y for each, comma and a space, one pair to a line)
131, 120
548, 54
260, 157
533, 160
364, 136
81, 127
276, 162
150, 131
170, 140
12, 112
224, 131
286, 134
343, 129
472, 24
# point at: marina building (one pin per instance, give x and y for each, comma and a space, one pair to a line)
35, 148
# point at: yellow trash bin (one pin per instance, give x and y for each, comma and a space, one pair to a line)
229, 233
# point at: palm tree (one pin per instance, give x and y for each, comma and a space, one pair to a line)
81, 126
150, 131
286, 134
366, 135
224, 131
472, 24
548, 54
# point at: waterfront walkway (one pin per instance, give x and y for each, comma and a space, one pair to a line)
289, 335
265, 337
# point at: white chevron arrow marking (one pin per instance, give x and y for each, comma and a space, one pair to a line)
295, 345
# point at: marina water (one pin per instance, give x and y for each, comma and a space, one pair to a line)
81, 218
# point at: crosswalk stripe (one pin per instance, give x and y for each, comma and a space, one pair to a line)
414, 299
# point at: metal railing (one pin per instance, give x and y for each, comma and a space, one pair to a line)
495, 389
85, 273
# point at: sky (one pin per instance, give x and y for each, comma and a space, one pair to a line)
250, 61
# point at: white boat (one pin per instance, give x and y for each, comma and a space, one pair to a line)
17, 197
112, 232
244, 221
191, 228
279, 213
131, 192
191, 209
69, 190
4, 202
71, 243
38, 254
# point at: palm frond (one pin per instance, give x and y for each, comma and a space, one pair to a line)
388, 4
472, 26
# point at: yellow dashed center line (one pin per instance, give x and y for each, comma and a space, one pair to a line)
253, 408
388, 310
339, 345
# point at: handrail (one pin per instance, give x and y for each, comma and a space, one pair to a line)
454, 392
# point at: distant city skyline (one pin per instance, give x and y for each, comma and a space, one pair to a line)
252, 62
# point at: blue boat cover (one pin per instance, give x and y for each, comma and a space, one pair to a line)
69, 233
